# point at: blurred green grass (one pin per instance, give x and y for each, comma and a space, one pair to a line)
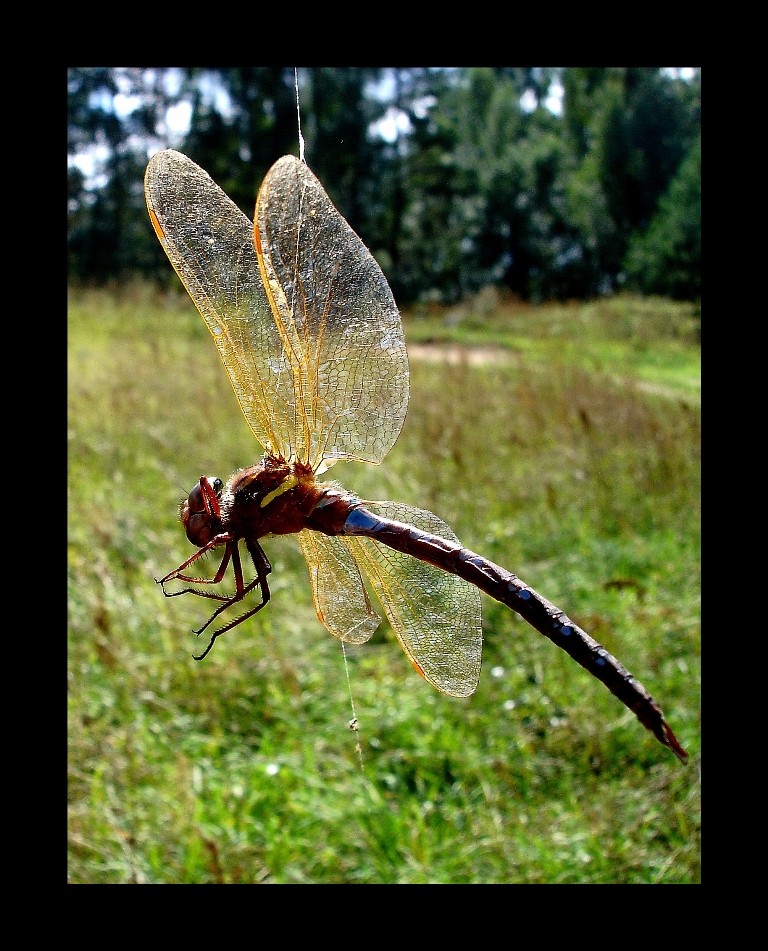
561, 463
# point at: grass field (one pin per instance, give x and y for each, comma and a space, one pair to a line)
571, 458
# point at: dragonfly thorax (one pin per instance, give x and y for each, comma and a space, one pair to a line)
274, 497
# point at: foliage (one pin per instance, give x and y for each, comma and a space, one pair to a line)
482, 185
107, 232
563, 459
629, 130
666, 258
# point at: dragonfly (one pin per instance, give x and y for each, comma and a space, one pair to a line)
309, 332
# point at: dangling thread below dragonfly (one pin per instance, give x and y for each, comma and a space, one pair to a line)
311, 337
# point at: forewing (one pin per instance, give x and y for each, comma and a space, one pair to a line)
340, 597
338, 321
436, 616
310, 335
209, 241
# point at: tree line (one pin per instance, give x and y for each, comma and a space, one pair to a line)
477, 182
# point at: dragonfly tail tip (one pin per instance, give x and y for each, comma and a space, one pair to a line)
669, 739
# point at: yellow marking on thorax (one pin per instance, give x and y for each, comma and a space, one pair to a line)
290, 482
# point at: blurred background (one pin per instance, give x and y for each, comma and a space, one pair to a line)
552, 183
540, 229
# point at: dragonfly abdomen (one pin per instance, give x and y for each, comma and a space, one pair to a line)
540, 613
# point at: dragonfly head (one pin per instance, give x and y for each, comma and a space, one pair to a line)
200, 511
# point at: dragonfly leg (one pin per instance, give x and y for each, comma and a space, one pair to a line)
263, 568
178, 573
174, 576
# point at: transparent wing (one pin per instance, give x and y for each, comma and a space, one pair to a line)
209, 241
338, 320
436, 616
306, 327
340, 598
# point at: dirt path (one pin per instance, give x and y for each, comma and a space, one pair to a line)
454, 353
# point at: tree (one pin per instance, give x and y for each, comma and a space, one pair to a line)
628, 130
482, 185
107, 232
665, 258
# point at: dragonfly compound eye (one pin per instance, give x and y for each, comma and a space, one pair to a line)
195, 501
200, 527
199, 499
200, 512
